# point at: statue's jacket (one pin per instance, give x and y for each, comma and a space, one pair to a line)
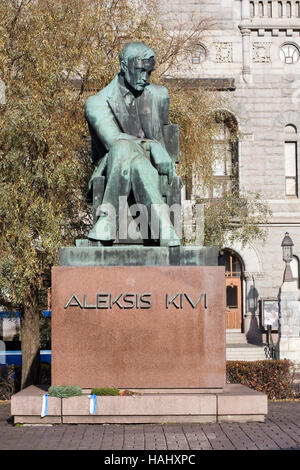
109, 120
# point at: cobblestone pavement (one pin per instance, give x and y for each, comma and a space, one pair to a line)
280, 431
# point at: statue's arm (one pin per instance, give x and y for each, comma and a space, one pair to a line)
162, 160
101, 119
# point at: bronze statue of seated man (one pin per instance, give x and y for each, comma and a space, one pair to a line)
126, 122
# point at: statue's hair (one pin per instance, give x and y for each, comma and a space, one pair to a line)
136, 49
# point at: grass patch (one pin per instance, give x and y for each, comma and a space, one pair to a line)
110, 391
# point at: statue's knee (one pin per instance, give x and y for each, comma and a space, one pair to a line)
142, 168
122, 152
122, 146
137, 165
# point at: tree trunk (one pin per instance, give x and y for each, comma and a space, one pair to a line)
30, 339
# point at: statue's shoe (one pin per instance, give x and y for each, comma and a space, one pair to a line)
171, 242
174, 242
102, 231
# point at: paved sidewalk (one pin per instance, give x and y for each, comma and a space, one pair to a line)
280, 431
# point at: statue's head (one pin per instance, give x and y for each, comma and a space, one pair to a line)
137, 61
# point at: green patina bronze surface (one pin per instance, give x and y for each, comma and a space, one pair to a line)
133, 142
130, 255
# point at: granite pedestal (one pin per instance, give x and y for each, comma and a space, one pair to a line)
138, 326
150, 320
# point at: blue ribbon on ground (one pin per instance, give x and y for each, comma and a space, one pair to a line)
45, 405
93, 404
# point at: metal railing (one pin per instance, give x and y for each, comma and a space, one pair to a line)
271, 349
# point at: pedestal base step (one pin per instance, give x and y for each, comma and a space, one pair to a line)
234, 403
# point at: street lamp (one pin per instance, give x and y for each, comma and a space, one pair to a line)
287, 256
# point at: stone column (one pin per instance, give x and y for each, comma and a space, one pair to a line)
290, 323
256, 13
275, 9
245, 9
284, 9
246, 54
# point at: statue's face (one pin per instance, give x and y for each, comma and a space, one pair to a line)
137, 72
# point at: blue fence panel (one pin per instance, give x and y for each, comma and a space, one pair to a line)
46, 313
15, 357
9, 314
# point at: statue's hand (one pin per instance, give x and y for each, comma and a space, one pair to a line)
162, 160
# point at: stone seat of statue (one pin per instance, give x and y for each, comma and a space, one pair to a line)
171, 193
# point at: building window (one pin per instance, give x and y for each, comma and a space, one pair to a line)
295, 270
233, 266
252, 10
297, 7
226, 155
289, 53
231, 296
199, 55
280, 9
288, 9
290, 156
224, 160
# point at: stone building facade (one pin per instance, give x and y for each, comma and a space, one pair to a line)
257, 43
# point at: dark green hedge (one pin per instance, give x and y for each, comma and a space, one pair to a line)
274, 378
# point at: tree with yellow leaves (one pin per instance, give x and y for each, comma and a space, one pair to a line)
53, 54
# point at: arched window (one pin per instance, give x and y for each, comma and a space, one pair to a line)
290, 156
289, 53
232, 263
295, 269
199, 55
225, 167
